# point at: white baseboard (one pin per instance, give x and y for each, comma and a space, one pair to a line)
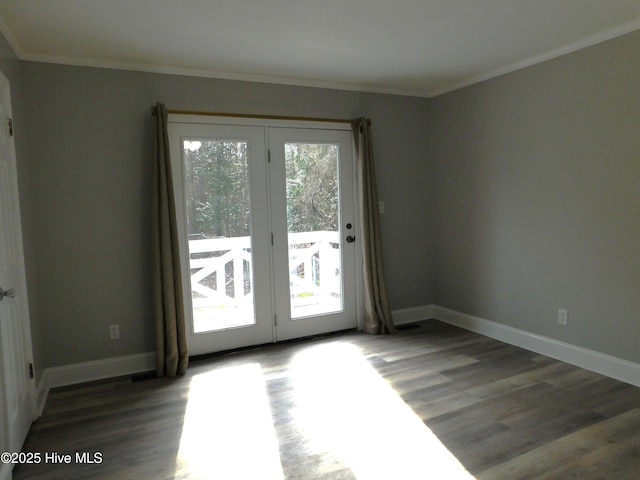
414, 314
608, 365
601, 363
97, 370
144, 362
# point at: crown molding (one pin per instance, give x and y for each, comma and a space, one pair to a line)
600, 37
543, 57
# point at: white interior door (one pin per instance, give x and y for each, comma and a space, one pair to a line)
17, 397
267, 216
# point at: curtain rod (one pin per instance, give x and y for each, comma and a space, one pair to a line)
262, 117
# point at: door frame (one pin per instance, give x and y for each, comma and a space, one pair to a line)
12, 441
267, 122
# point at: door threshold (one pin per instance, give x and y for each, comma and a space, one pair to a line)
234, 351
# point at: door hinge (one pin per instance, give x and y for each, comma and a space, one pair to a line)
275, 319
11, 127
31, 373
272, 239
269, 156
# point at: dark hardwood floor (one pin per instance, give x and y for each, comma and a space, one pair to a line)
432, 402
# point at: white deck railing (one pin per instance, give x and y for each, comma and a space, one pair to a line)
314, 269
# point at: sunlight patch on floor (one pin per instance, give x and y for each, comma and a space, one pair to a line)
347, 417
228, 430
345, 407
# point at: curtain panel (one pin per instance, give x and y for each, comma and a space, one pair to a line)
377, 312
171, 343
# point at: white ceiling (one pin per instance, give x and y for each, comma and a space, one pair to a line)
413, 47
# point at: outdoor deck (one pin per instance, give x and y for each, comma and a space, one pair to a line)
222, 283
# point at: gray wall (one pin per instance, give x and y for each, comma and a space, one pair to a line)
506, 200
537, 198
91, 141
11, 67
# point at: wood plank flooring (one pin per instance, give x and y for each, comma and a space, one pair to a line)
433, 401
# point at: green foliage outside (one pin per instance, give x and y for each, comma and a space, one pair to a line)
217, 183
312, 187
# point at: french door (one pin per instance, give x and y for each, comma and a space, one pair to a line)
268, 231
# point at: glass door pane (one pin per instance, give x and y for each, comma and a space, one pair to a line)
218, 212
313, 214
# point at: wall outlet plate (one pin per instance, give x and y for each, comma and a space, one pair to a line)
114, 332
563, 317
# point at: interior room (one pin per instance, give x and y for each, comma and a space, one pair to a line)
507, 158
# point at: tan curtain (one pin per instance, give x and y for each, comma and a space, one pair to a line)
377, 313
171, 343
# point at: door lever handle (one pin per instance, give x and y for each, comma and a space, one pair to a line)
11, 293
351, 239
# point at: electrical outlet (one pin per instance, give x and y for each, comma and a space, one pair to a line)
563, 317
114, 332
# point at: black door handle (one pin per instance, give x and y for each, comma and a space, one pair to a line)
351, 239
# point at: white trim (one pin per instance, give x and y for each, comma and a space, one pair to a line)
218, 75
413, 314
301, 82
97, 370
357, 228
131, 364
601, 363
543, 57
608, 365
